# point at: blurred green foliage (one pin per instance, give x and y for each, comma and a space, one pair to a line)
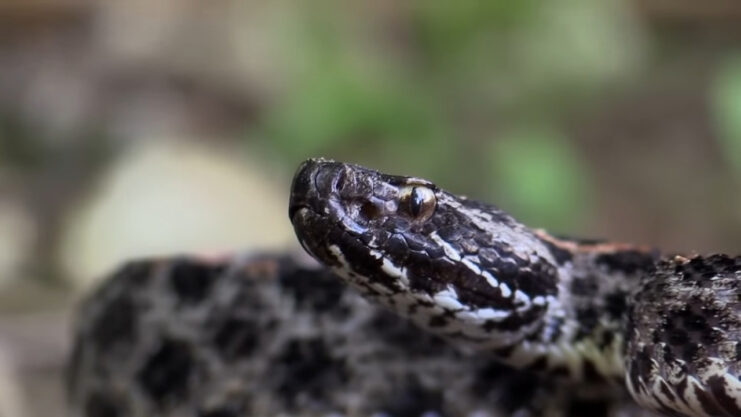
726, 98
542, 178
465, 69
17, 146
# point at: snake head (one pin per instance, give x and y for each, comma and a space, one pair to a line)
329, 197
451, 264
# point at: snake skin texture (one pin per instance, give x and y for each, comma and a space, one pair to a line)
277, 335
590, 314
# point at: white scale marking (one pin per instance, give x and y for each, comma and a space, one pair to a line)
493, 282
448, 299
483, 314
472, 265
450, 252
390, 269
540, 301
523, 298
506, 291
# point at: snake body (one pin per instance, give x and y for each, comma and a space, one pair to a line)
274, 334
590, 313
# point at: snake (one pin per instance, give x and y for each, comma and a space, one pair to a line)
587, 313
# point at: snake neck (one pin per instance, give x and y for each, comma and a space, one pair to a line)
582, 336
468, 271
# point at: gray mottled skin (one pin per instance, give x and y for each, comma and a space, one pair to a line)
275, 335
590, 312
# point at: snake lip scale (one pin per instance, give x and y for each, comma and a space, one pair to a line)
587, 312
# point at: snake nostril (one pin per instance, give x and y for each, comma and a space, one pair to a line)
369, 211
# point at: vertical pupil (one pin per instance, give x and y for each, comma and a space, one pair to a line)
416, 202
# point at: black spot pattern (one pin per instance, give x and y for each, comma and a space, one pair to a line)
243, 353
236, 337
192, 281
588, 408
415, 400
101, 405
319, 295
307, 366
116, 324
587, 286
697, 302
165, 375
628, 261
229, 410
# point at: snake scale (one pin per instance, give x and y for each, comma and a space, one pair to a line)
509, 321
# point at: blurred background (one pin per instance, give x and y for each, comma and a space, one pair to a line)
139, 127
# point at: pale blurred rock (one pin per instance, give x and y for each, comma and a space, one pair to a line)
12, 403
34, 348
17, 236
167, 197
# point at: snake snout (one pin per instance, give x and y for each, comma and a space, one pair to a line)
310, 185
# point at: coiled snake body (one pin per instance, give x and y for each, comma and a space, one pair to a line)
589, 312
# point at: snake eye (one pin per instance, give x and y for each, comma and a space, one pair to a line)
419, 201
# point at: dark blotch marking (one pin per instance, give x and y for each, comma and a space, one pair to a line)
585, 286
695, 322
413, 399
607, 338
539, 364
628, 261
422, 269
318, 291
515, 389
229, 410
305, 365
588, 408
504, 352
165, 374
236, 338
539, 279
102, 405
677, 337
560, 371
616, 304
590, 372
192, 280
588, 318
116, 324
690, 351
707, 402
438, 321
640, 365
667, 391
400, 333
717, 386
